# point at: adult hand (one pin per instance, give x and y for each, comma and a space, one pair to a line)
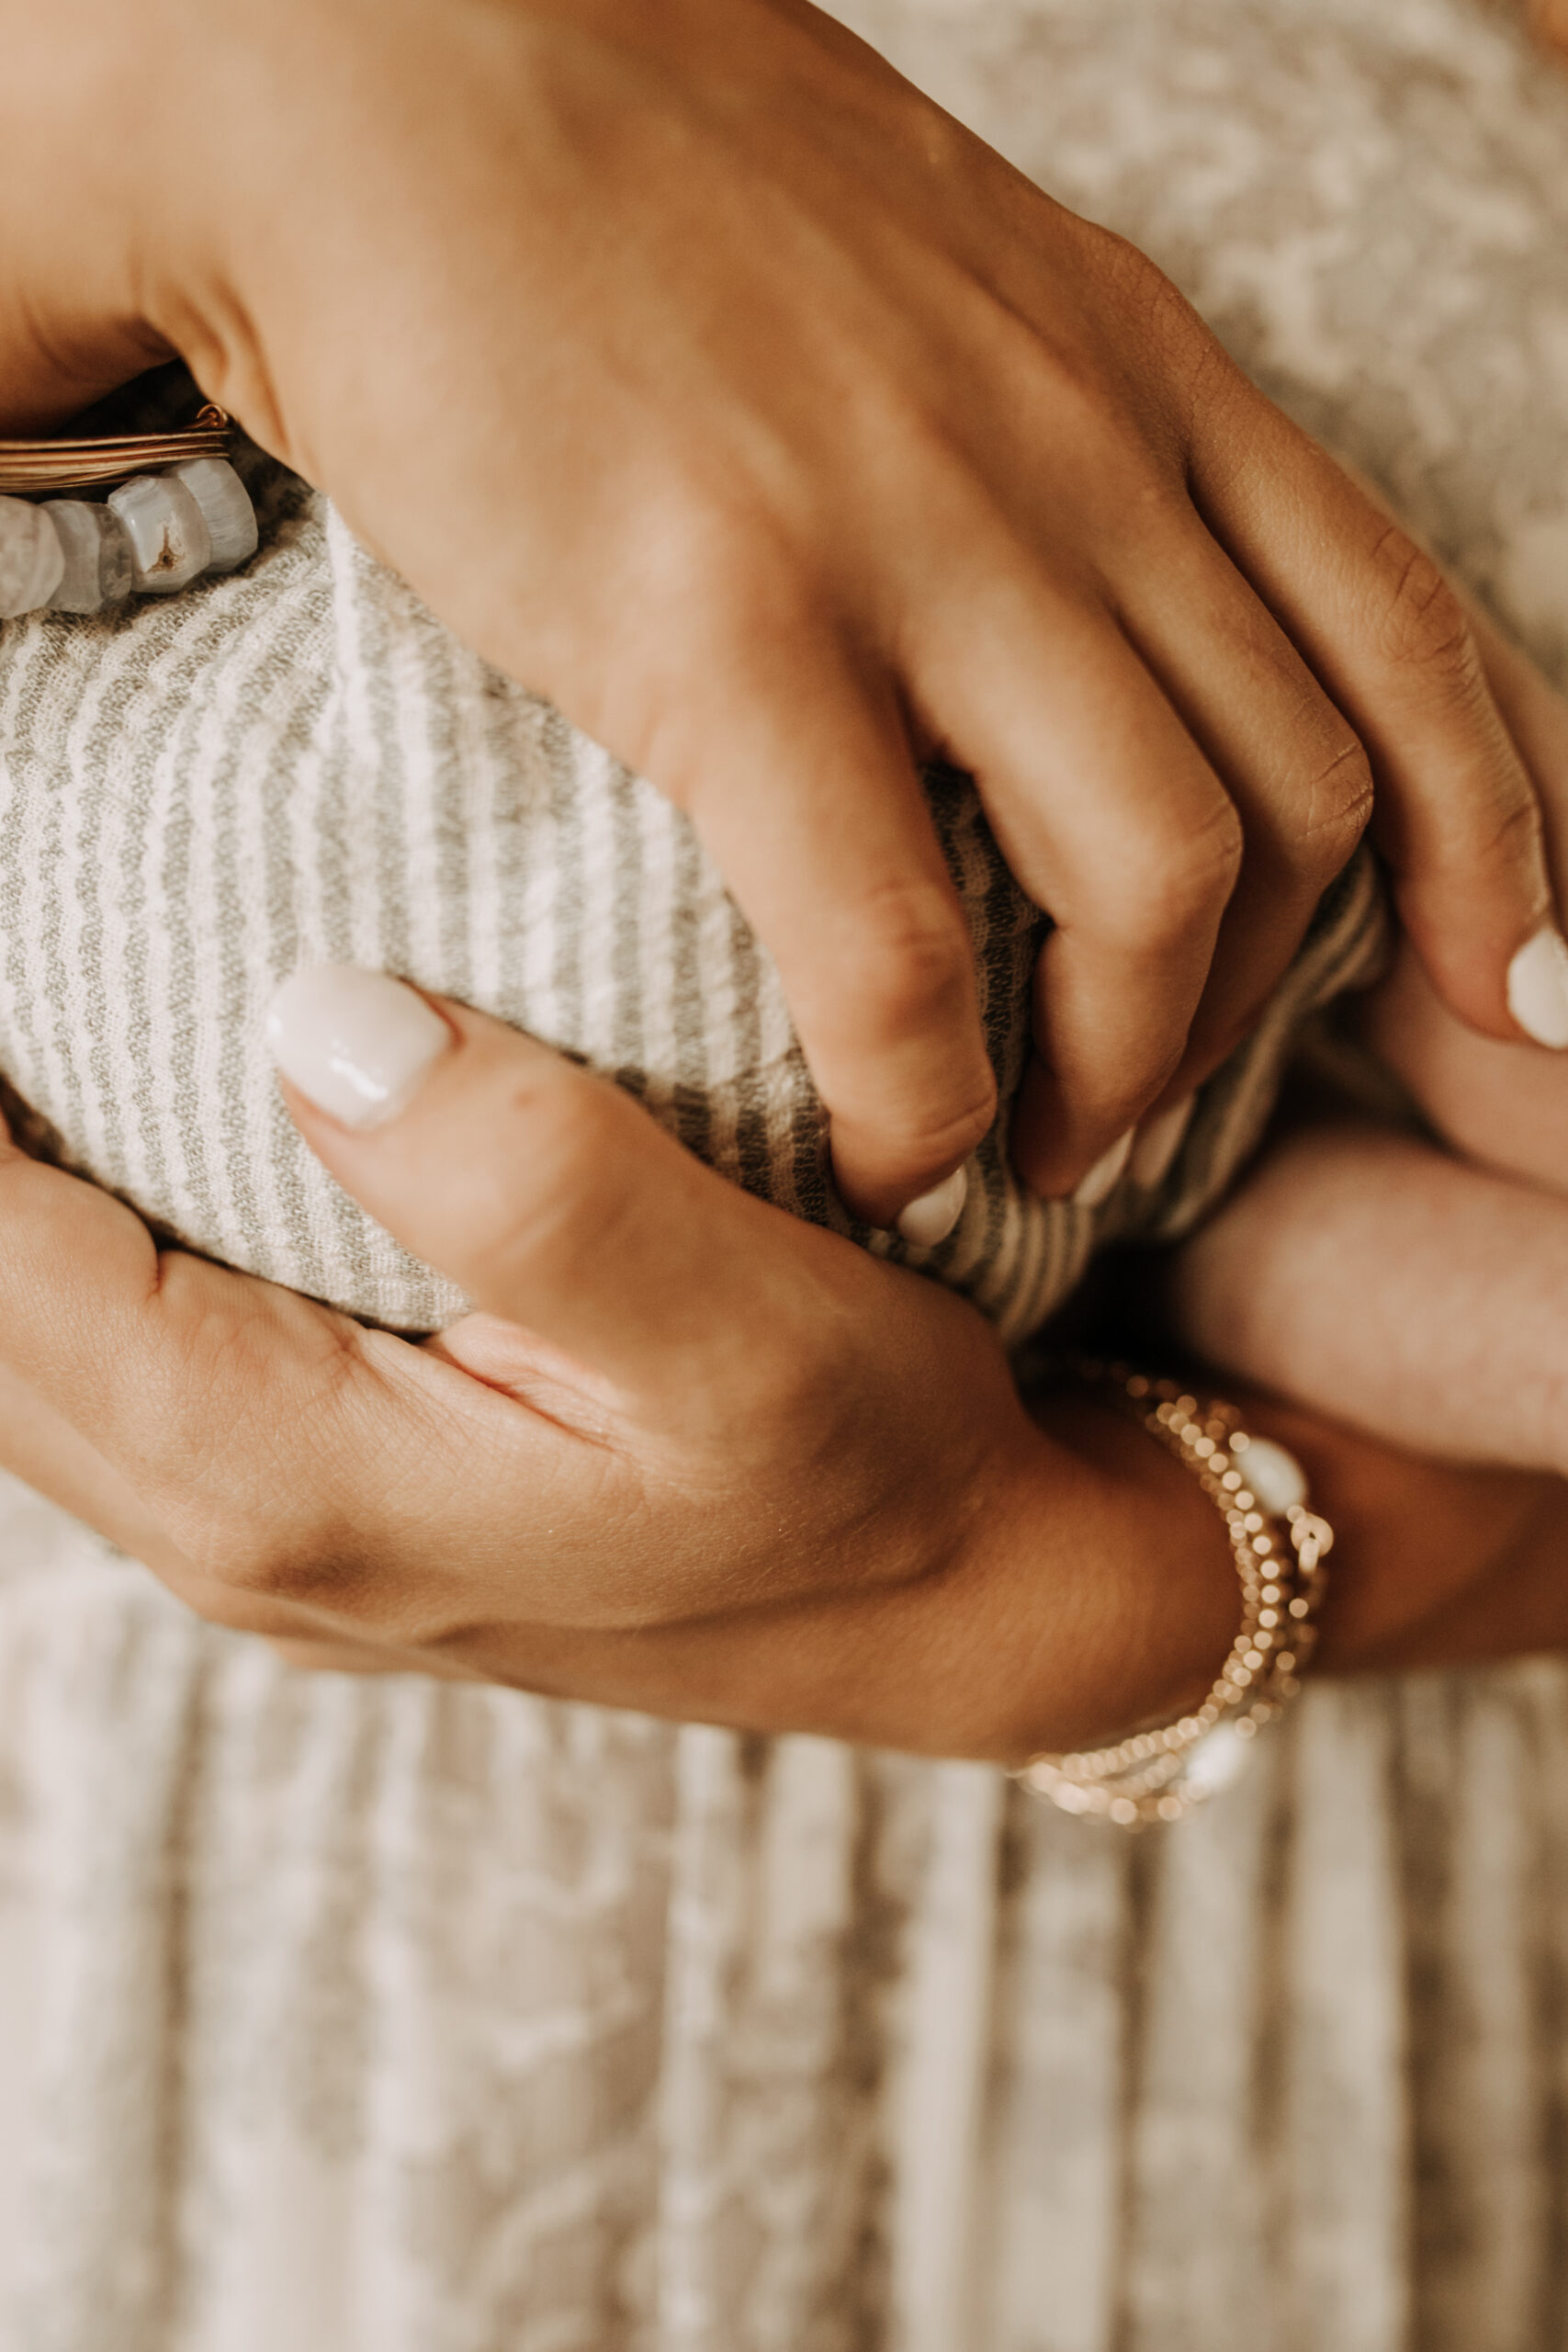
703, 374
693, 1457
1550, 20
1503, 1105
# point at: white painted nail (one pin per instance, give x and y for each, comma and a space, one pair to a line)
357, 1044
932, 1217
1158, 1141
1537, 989
1103, 1176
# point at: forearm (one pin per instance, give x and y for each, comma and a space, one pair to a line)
1435, 1564
1097, 1593
1364, 1274
867, 1539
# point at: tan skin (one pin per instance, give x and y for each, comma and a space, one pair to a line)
1422, 1293
764, 1478
1550, 20
694, 1456
820, 438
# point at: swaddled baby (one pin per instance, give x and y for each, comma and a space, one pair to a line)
297, 764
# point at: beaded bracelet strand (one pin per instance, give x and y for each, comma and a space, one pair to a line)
177, 511
1278, 1546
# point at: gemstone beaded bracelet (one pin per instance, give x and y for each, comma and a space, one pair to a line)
177, 510
1278, 1546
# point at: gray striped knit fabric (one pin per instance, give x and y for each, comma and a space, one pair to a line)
204, 793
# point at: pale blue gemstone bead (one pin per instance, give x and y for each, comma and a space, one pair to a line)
170, 542
31, 557
98, 555
230, 518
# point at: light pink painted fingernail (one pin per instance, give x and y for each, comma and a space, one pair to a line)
1104, 1175
931, 1218
1160, 1141
358, 1045
1537, 989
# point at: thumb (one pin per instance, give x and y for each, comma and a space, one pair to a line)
547, 1193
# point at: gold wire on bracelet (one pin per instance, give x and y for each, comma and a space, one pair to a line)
1278, 1548
28, 467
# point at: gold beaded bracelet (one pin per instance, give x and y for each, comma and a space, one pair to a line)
1278, 1548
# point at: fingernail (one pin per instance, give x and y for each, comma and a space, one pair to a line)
1537, 989
932, 1217
1158, 1141
1102, 1177
355, 1043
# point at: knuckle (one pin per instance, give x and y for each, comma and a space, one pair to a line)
1510, 834
909, 959
268, 1563
932, 1138
1336, 807
1168, 884
1423, 625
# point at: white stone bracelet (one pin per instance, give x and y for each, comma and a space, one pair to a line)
178, 510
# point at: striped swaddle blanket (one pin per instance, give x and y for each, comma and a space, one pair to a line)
204, 793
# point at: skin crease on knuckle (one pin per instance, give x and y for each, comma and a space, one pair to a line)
1423, 626
1170, 887
905, 964
1337, 807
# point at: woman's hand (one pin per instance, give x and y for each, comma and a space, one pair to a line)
1550, 20
693, 1457
1503, 1105
706, 376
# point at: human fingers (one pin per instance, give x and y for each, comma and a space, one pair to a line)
548, 1195
221, 1428
1503, 1104
1549, 20
1113, 820
1291, 764
799, 777
1536, 716
1457, 819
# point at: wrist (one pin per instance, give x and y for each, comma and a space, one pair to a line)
1097, 1593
